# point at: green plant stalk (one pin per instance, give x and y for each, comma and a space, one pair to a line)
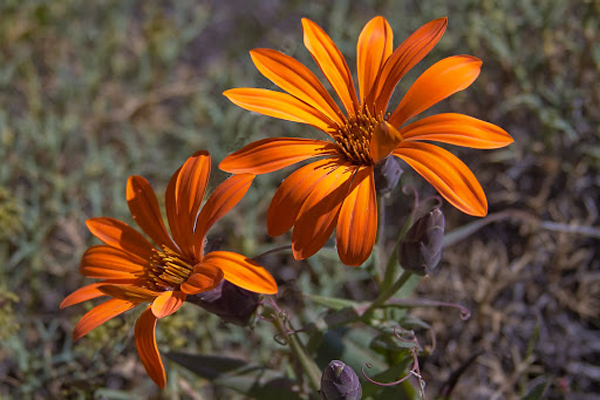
386, 294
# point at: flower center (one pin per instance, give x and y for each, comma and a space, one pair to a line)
354, 138
168, 269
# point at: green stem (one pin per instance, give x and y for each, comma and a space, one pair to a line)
386, 294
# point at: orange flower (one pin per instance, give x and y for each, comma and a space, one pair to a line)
134, 271
339, 189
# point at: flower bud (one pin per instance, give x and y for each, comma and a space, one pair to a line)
228, 301
340, 382
387, 174
420, 250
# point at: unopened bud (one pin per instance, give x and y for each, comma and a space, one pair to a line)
340, 382
387, 174
420, 250
228, 301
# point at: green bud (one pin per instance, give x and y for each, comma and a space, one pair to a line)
420, 250
340, 382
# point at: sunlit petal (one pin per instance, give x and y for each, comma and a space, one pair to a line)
205, 277
385, 139
242, 271
457, 129
332, 64
145, 341
99, 315
109, 262
120, 235
83, 294
268, 155
450, 176
319, 212
375, 45
357, 223
442, 79
167, 303
130, 291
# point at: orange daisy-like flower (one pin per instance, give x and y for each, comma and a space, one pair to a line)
134, 271
339, 189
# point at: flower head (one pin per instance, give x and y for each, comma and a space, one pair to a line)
338, 189
135, 271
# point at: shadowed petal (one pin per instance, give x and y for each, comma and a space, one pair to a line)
450, 176
167, 303
222, 199
120, 235
384, 140
293, 77
375, 45
357, 223
268, 155
145, 341
279, 105
205, 277
332, 63
242, 271
442, 79
318, 215
109, 262
457, 129
129, 291
290, 195
406, 56
144, 208
99, 315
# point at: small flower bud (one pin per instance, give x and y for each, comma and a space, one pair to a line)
228, 301
387, 174
340, 382
420, 250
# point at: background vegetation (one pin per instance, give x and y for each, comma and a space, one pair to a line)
92, 92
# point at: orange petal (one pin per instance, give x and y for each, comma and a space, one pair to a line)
442, 79
129, 291
279, 105
406, 56
167, 303
223, 199
242, 271
109, 262
190, 187
332, 63
144, 208
268, 155
291, 194
450, 176
83, 294
293, 77
375, 45
145, 341
457, 129
120, 235
318, 215
357, 224
205, 277
99, 315
171, 207
385, 139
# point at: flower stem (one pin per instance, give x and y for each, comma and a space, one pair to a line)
391, 291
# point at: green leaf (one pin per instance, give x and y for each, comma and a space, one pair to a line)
538, 391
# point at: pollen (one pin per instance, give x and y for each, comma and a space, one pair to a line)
354, 138
168, 269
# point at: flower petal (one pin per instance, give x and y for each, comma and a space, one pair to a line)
167, 303
319, 213
121, 236
268, 155
99, 315
442, 79
357, 223
332, 63
145, 341
375, 45
385, 139
83, 294
106, 262
223, 199
450, 176
279, 105
296, 79
457, 129
205, 277
242, 271
292, 193
406, 56
144, 208
132, 291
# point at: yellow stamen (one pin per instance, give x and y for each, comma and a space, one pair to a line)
168, 269
354, 138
